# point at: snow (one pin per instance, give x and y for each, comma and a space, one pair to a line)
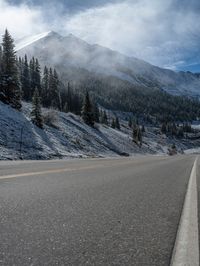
192, 151
69, 137
70, 51
197, 126
30, 40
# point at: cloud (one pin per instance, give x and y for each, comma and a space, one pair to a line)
161, 32
165, 33
20, 20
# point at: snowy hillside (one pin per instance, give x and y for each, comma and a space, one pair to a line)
65, 52
70, 137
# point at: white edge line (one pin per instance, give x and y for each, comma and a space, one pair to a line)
186, 249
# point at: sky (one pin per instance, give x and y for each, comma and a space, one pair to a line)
165, 33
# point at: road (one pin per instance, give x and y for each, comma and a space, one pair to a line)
91, 212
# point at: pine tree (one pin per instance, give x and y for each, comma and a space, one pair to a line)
32, 75
96, 113
54, 96
63, 96
54, 89
130, 123
36, 113
163, 128
113, 125
137, 135
140, 136
37, 76
87, 114
105, 118
174, 129
1, 56
117, 123
20, 68
25, 81
51, 84
100, 115
69, 98
77, 103
45, 88
10, 92
65, 108
180, 132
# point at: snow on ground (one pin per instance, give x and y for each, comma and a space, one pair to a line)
192, 151
196, 126
69, 137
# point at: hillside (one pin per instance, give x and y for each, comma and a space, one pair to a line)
82, 67
70, 137
78, 61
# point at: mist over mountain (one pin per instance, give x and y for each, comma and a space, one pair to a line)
76, 59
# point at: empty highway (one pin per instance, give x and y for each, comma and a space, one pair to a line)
92, 211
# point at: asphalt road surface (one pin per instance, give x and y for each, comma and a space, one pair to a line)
91, 212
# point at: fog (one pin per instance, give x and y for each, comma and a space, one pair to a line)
164, 33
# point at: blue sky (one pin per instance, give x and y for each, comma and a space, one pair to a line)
73, 5
164, 33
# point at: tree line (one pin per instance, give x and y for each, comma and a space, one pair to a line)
23, 79
149, 104
10, 89
19, 78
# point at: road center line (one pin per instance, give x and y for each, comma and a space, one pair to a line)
186, 249
61, 170
46, 172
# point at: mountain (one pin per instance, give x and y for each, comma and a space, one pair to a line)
71, 55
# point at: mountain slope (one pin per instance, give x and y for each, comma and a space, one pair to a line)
68, 136
70, 52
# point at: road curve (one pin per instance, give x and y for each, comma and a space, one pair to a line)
92, 212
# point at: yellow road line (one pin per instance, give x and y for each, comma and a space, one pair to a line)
46, 172
54, 171
62, 170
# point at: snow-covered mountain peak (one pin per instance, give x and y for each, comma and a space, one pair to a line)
34, 38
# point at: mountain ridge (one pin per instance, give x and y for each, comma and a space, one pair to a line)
54, 49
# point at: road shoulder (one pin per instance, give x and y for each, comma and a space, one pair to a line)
186, 249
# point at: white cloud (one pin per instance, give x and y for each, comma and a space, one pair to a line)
156, 31
20, 20
164, 33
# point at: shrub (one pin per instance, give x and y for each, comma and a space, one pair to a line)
51, 118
